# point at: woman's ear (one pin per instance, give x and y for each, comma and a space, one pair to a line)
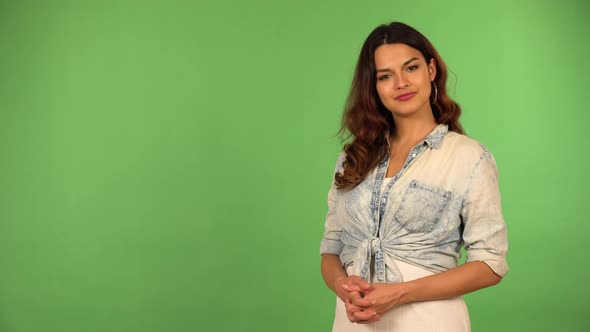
432, 69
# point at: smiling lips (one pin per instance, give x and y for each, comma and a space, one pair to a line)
406, 96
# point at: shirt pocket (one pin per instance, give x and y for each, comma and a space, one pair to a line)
421, 207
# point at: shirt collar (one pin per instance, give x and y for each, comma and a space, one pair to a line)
435, 138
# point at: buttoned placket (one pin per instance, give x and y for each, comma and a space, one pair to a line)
378, 203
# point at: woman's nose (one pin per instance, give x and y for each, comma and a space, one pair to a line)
401, 82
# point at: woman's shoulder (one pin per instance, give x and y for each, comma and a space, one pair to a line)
340, 161
464, 146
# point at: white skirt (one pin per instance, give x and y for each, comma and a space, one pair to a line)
429, 316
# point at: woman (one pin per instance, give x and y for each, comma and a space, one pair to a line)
409, 191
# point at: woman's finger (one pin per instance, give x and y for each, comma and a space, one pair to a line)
360, 301
374, 319
364, 315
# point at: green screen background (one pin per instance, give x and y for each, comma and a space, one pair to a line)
164, 165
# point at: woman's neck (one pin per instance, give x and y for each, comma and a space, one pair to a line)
409, 131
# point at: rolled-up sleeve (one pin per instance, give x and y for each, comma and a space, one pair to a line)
331, 243
484, 233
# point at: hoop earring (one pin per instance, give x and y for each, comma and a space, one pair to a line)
435, 93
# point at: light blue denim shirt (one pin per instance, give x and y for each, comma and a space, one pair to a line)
444, 197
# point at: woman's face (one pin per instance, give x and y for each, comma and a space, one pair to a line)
404, 79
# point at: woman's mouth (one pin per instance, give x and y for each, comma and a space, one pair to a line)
406, 96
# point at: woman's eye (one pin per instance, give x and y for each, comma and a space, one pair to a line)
414, 67
383, 77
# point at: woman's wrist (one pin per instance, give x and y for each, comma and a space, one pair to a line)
406, 292
337, 280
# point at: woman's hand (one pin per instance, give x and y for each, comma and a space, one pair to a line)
343, 286
383, 297
354, 288
359, 314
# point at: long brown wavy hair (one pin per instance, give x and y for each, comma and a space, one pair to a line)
367, 120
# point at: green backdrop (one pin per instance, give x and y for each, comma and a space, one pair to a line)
164, 165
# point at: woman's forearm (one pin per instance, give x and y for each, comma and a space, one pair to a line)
332, 270
457, 281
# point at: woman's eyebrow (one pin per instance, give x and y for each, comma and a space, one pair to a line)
405, 63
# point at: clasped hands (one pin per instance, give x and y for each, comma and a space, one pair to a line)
365, 303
